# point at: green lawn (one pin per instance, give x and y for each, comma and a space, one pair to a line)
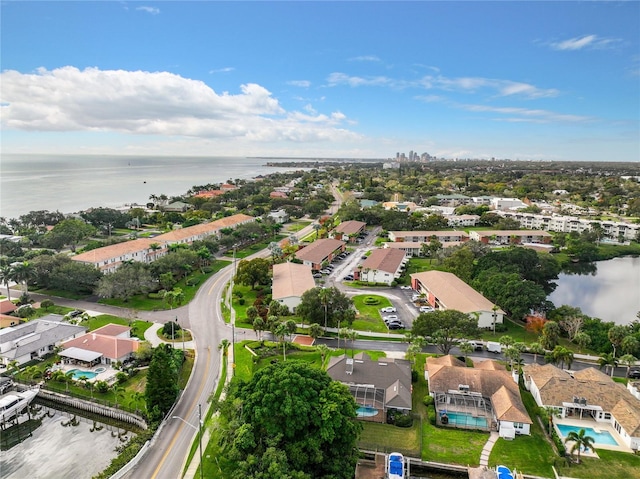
138, 327
388, 438
528, 454
611, 465
452, 446
369, 318
254, 248
297, 226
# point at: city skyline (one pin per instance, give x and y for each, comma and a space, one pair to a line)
529, 81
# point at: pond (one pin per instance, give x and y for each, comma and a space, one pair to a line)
611, 292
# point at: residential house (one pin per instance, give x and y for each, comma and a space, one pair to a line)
377, 386
404, 206
426, 236
505, 237
453, 200
483, 397
588, 394
507, 204
319, 252
34, 339
209, 194
105, 345
382, 266
7, 307
277, 194
290, 282
444, 290
348, 231
280, 216
177, 207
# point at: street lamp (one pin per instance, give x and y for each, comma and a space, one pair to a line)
199, 429
182, 335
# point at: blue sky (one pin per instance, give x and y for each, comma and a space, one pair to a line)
520, 80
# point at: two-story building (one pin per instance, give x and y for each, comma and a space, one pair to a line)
320, 252
382, 266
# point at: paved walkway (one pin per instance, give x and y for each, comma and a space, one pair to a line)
486, 450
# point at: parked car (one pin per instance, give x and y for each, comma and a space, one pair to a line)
363, 257
325, 271
348, 277
426, 309
405, 286
634, 373
391, 317
388, 309
395, 325
75, 312
317, 275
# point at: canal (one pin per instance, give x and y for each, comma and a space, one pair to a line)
610, 292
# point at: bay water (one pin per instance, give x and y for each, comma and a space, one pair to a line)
71, 183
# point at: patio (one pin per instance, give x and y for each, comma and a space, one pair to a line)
587, 424
103, 372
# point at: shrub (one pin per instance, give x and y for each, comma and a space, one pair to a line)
192, 281
207, 269
157, 295
121, 377
431, 414
414, 376
370, 300
428, 400
404, 420
101, 386
241, 301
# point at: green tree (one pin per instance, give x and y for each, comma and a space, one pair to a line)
324, 350
466, 348
535, 349
550, 335
253, 272
445, 327
627, 360
291, 420
580, 442
6, 277
161, 389
175, 296
608, 361
259, 326
23, 273
616, 335
315, 330
128, 280
561, 355
70, 232
582, 339
339, 307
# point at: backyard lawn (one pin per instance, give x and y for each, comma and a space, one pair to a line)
611, 465
138, 327
389, 438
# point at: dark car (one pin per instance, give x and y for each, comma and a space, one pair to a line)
395, 325
75, 312
634, 373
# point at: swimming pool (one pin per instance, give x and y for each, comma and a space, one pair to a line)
366, 411
602, 437
79, 374
462, 419
100, 370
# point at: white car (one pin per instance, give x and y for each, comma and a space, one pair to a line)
426, 309
392, 317
405, 287
388, 309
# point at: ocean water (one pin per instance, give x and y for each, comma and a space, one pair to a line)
71, 183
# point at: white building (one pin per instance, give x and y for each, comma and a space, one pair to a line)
383, 266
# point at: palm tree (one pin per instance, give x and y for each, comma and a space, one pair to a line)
317, 227
465, 348
280, 332
175, 296
627, 360
258, 326
580, 442
315, 330
608, 360
325, 295
6, 276
118, 392
22, 273
535, 349
323, 349
224, 346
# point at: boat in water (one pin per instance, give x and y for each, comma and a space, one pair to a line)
13, 403
395, 469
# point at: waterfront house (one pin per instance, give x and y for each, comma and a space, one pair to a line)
106, 345
35, 339
377, 386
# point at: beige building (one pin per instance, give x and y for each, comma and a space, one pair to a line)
588, 394
382, 266
502, 237
319, 252
426, 236
290, 282
348, 231
483, 397
446, 291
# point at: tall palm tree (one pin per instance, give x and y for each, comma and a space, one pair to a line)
6, 276
281, 332
608, 360
325, 296
580, 442
627, 360
535, 349
465, 348
323, 349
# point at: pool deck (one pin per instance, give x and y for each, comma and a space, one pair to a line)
108, 375
600, 426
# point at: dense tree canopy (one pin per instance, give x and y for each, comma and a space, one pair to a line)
161, 389
253, 272
445, 327
318, 301
291, 421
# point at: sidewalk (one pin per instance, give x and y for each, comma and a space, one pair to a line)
486, 450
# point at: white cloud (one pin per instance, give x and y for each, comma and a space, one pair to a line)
584, 42
439, 82
528, 115
222, 70
365, 58
300, 83
158, 103
151, 10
